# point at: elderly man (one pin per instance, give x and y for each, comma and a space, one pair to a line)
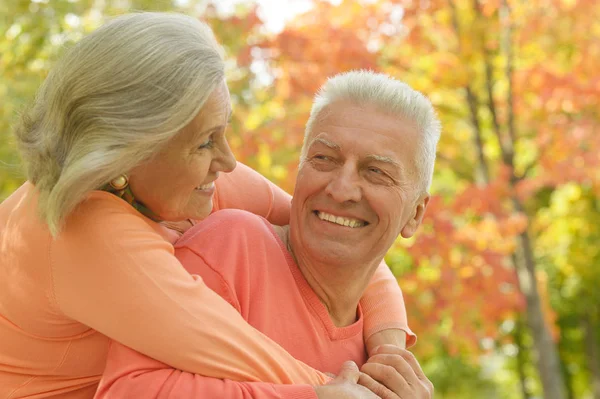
366, 165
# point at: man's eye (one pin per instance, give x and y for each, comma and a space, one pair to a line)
323, 162
375, 170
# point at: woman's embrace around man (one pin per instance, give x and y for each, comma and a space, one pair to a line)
125, 148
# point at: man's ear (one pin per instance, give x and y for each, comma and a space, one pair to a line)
413, 224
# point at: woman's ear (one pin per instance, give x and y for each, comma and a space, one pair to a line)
413, 224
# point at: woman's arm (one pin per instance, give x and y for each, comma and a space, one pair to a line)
382, 303
246, 189
384, 312
129, 374
113, 272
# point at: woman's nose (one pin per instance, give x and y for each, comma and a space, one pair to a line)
225, 162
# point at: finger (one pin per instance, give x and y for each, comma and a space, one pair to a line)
401, 365
376, 387
414, 364
389, 377
349, 372
412, 361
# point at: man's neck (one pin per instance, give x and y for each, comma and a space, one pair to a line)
339, 287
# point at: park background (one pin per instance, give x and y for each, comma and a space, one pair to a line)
502, 282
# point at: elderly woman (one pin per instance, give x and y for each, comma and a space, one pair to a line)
127, 135
301, 285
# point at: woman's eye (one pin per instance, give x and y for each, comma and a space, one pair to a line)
321, 157
207, 144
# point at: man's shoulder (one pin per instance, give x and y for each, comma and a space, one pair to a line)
226, 228
230, 248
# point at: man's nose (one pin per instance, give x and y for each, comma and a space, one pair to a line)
345, 185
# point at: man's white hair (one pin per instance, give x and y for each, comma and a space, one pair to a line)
112, 102
389, 96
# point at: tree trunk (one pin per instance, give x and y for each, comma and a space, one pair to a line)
546, 352
521, 361
592, 353
548, 362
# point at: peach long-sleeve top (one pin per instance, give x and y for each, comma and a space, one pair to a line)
251, 268
111, 273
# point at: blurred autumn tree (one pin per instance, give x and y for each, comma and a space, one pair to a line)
501, 282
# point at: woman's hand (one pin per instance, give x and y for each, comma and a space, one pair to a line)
345, 386
394, 373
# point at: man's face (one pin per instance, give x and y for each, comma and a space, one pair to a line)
356, 187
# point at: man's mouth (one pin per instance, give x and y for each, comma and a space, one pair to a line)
342, 221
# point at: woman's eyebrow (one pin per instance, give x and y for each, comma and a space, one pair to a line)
215, 128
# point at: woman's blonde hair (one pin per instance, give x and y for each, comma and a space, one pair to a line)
112, 102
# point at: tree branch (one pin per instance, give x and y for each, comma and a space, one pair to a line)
508, 49
461, 173
473, 106
489, 84
527, 170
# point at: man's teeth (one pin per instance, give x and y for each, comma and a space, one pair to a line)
340, 220
205, 187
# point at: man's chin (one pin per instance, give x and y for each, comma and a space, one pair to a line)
334, 252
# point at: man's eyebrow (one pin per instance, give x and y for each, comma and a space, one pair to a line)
384, 159
325, 142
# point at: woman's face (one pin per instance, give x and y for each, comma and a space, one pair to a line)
178, 183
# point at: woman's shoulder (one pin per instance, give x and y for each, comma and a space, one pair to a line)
100, 213
103, 212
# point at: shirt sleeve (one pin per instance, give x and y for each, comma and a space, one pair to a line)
129, 374
246, 189
383, 305
114, 273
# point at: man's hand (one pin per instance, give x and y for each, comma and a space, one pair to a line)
345, 385
394, 373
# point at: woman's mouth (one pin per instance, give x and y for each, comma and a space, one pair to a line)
206, 187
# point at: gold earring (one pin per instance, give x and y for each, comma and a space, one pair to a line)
120, 182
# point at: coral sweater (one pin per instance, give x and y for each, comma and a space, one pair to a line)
248, 265
112, 273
